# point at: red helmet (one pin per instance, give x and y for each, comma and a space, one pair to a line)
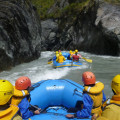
88, 78
22, 83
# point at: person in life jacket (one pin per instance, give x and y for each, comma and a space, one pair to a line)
93, 96
60, 58
76, 57
70, 55
8, 111
111, 108
56, 55
23, 84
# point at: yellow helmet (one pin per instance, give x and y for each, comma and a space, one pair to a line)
76, 51
56, 52
115, 85
70, 51
6, 91
60, 53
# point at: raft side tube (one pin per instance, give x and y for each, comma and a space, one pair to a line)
56, 93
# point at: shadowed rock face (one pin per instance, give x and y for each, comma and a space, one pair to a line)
19, 33
108, 21
91, 31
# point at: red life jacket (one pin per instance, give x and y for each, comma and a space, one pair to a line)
75, 57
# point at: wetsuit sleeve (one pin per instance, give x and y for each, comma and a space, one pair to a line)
87, 107
24, 109
104, 97
54, 58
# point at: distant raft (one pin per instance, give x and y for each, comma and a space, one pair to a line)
66, 63
56, 98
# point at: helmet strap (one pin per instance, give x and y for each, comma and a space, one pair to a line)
114, 92
92, 85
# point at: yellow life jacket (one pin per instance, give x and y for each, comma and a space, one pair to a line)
96, 95
114, 100
111, 112
18, 96
9, 113
60, 59
111, 109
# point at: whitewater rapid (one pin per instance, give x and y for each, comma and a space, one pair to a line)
104, 67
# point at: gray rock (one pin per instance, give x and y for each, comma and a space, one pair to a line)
20, 39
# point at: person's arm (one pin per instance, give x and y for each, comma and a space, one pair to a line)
54, 58
57, 59
24, 109
104, 97
87, 107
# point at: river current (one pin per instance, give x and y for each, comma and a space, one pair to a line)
104, 67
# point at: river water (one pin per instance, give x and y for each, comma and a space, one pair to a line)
104, 67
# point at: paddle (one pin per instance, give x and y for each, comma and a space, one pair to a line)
50, 61
37, 108
88, 60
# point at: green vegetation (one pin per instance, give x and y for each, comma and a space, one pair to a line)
75, 7
113, 1
43, 6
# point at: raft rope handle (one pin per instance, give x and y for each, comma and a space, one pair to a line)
55, 108
55, 114
75, 90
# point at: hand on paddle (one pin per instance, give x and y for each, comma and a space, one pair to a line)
37, 112
70, 116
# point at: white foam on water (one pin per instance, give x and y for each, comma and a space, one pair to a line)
47, 54
49, 74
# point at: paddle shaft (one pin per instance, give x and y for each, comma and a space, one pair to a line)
37, 108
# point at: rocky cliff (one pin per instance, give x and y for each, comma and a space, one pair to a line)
87, 25
94, 28
19, 33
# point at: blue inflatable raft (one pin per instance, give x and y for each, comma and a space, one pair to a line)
66, 63
55, 98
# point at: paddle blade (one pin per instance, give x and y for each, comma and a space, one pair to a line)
88, 60
50, 62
